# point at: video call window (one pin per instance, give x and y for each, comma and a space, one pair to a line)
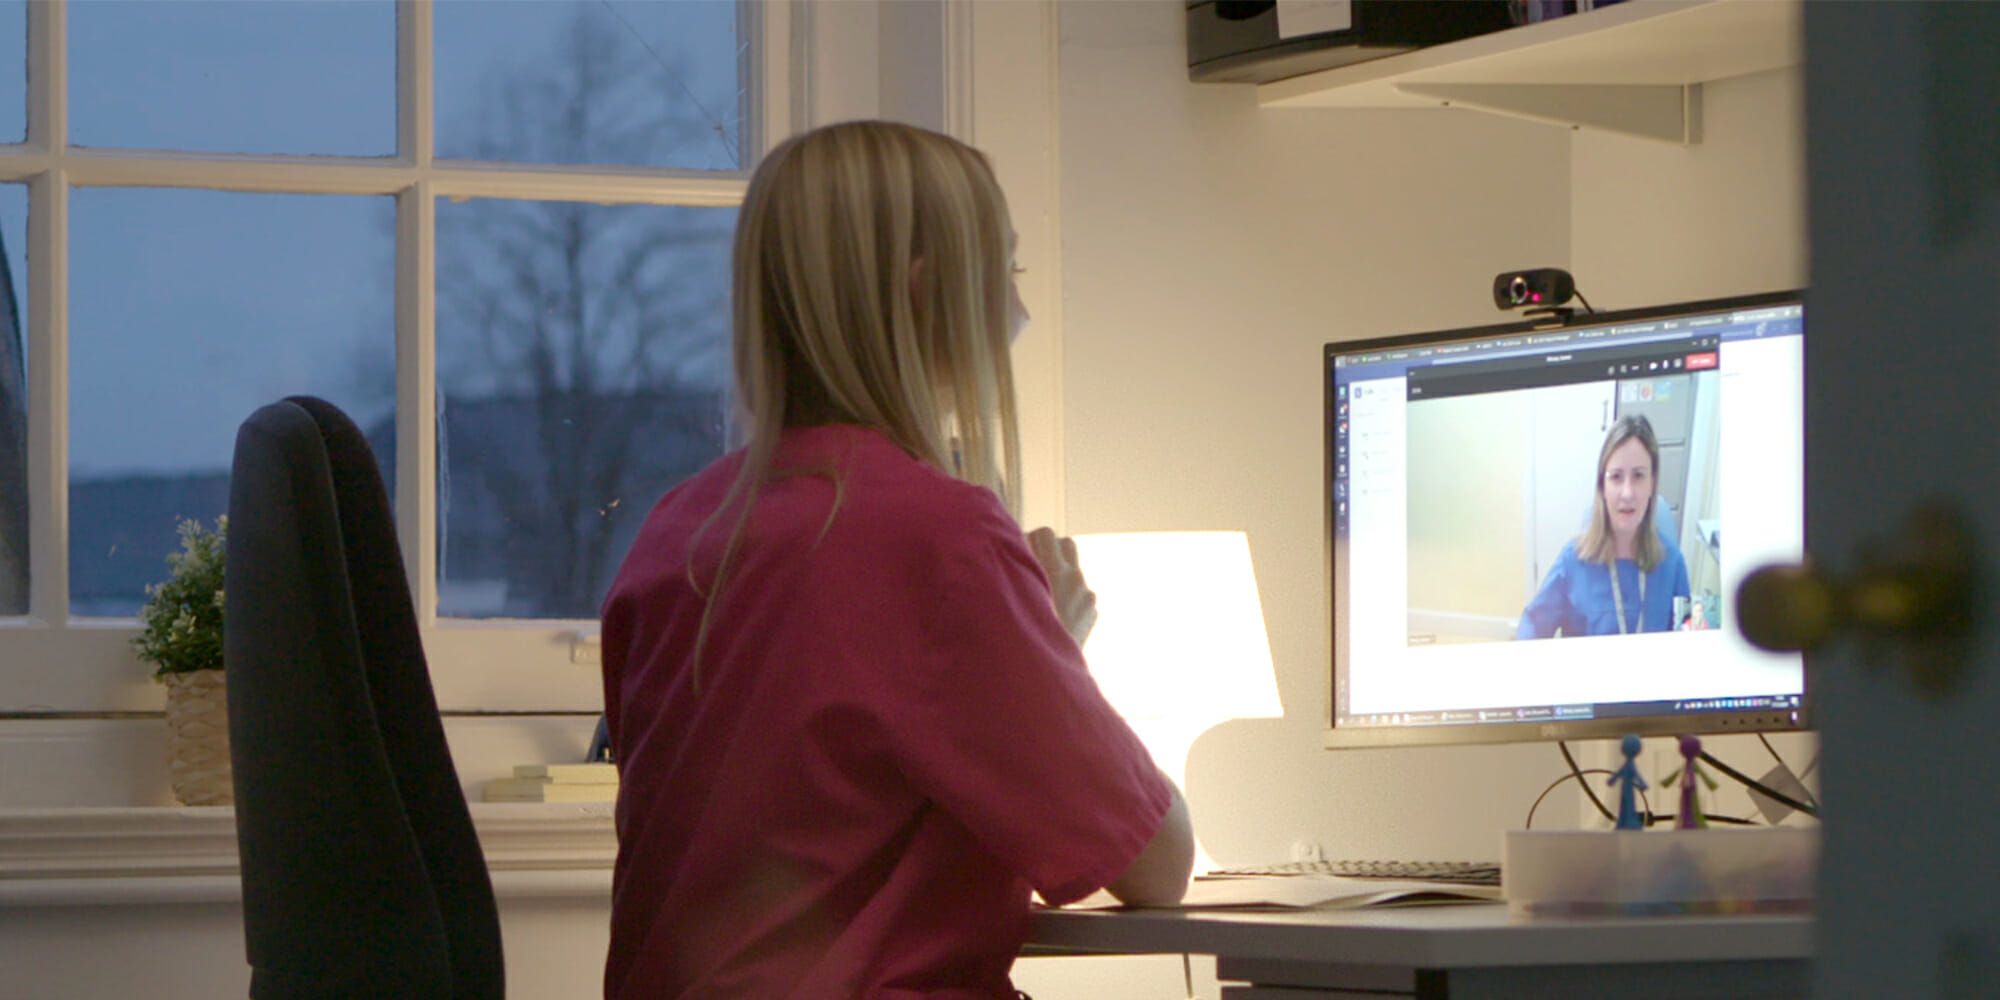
1504, 489
1527, 524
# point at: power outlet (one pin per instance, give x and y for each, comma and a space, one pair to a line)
1307, 850
585, 648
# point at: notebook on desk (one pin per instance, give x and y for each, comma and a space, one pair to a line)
1305, 892
1463, 872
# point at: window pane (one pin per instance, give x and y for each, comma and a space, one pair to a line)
591, 82
13, 400
581, 356
224, 76
13, 71
188, 311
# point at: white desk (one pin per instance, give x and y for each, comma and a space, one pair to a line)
1472, 952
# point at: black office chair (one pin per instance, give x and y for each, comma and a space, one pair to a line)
362, 874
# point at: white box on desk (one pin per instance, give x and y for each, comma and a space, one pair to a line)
1651, 872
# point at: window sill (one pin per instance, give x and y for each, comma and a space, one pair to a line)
142, 856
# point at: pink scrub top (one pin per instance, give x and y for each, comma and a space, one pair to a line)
892, 739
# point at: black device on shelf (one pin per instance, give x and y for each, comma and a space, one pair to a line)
1253, 41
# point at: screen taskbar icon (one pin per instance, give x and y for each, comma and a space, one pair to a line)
1739, 704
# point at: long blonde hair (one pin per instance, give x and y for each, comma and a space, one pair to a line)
871, 285
1598, 544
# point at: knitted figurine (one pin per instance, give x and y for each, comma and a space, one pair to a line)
1631, 784
1691, 817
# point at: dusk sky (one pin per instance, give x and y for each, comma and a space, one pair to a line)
191, 308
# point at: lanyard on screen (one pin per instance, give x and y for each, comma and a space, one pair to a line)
1618, 600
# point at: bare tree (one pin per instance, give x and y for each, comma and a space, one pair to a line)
13, 449
580, 345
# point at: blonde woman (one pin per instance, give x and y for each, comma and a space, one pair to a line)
1620, 576
853, 728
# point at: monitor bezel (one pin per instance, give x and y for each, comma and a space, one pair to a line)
1337, 737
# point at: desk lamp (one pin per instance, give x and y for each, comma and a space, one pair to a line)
1179, 646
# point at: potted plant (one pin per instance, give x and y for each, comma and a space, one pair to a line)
181, 636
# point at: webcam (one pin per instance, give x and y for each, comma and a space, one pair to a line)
1539, 288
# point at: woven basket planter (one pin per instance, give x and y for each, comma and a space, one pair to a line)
198, 738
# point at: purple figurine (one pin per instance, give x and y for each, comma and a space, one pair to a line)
1691, 817
1631, 784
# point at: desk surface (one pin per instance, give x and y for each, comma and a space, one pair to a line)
1455, 936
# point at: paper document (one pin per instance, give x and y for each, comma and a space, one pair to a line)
1305, 892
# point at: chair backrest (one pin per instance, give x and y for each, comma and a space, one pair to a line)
362, 874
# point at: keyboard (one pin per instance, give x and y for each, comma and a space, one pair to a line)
1457, 872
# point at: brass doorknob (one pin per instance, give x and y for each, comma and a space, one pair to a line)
1917, 590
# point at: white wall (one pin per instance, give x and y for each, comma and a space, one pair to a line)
1209, 249
194, 951
1657, 223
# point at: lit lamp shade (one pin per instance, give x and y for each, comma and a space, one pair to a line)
1179, 646
1180, 636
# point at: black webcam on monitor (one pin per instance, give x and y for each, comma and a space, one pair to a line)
1541, 288
1542, 291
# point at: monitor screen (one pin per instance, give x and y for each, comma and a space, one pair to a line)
1526, 524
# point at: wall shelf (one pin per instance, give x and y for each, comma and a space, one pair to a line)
1635, 67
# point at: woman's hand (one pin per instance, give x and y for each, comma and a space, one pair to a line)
1076, 603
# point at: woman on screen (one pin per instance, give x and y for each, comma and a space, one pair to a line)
1620, 576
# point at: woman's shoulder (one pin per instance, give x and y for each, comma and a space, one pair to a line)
1672, 562
912, 493
887, 490
694, 498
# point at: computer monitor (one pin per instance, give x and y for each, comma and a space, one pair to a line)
1471, 599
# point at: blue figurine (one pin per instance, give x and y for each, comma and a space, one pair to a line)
1631, 784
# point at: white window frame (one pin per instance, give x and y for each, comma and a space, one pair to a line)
816, 61
52, 664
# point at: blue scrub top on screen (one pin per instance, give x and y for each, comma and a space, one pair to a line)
1575, 597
